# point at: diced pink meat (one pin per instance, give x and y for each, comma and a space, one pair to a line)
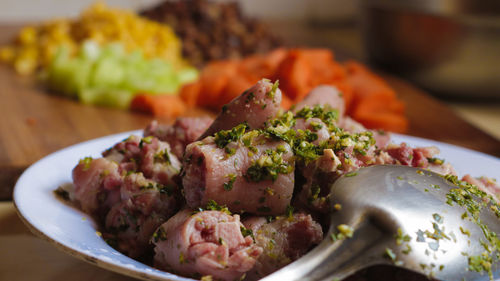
284, 240
97, 185
210, 173
415, 157
148, 155
324, 95
184, 131
144, 206
321, 173
125, 150
158, 163
205, 243
254, 106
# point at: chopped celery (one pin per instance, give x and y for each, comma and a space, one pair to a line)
110, 76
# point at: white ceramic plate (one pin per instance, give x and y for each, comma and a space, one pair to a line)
75, 233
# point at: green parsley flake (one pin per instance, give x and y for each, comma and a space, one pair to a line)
246, 232
146, 140
390, 254
229, 185
351, 174
86, 162
224, 137
268, 167
213, 206
273, 90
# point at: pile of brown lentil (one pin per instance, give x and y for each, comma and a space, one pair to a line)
213, 30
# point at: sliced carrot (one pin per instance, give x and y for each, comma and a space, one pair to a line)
214, 78
286, 102
365, 83
383, 120
380, 104
294, 74
324, 67
235, 86
189, 93
163, 105
368, 98
261, 66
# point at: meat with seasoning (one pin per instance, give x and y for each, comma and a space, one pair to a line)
97, 186
145, 205
184, 131
284, 240
245, 171
324, 96
205, 243
254, 107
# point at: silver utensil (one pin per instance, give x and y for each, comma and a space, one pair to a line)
405, 217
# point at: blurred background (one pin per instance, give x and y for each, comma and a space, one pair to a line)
26, 10
449, 48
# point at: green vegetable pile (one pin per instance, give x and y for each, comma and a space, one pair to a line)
109, 76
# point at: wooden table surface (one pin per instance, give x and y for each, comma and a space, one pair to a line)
35, 124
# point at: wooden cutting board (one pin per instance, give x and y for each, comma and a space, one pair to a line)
35, 123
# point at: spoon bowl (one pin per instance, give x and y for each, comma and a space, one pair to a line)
406, 217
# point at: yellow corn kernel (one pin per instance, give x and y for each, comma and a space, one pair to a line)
7, 54
27, 35
36, 46
25, 66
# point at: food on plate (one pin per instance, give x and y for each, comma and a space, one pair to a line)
253, 107
212, 30
283, 240
206, 243
240, 196
184, 131
367, 98
131, 191
247, 172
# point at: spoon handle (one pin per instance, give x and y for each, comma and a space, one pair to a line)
336, 260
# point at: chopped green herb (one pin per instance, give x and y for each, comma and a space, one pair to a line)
229, 185
272, 92
162, 157
268, 167
351, 174
159, 235
436, 161
86, 162
246, 232
289, 212
264, 209
213, 206
390, 254
224, 137
146, 140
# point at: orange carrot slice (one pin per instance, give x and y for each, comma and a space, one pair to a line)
162, 105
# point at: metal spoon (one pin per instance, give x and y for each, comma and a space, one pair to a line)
406, 217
